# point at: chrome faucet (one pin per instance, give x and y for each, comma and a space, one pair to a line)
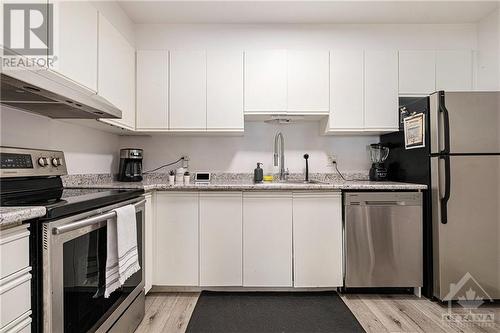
279, 155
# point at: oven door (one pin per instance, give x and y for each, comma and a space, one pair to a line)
74, 264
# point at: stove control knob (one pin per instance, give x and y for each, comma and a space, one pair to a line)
56, 162
43, 162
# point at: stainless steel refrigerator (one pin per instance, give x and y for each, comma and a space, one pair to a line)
461, 165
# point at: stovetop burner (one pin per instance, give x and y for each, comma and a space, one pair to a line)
74, 201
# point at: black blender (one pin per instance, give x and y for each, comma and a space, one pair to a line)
378, 154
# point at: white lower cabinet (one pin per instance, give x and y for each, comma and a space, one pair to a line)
148, 242
267, 239
15, 280
176, 239
317, 239
221, 223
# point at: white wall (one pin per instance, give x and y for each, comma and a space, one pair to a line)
319, 36
488, 57
240, 154
86, 150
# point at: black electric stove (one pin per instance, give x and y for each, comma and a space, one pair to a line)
67, 201
31, 177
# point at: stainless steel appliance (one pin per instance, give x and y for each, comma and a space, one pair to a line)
68, 246
383, 239
55, 98
130, 169
461, 165
378, 155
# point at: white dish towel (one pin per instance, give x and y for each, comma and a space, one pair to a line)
122, 255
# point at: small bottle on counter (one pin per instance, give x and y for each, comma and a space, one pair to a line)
187, 178
179, 176
258, 174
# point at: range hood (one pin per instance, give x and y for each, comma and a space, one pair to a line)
29, 91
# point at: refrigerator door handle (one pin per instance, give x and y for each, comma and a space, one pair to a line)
446, 123
447, 188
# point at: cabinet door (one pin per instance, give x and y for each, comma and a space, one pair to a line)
454, 70
346, 90
221, 248
265, 81
75, 41
267, 239
417, 72
188, 90
381, 90
176, 257
116, 74
152, 90
308, 81
317, 239
225, 90
148, 242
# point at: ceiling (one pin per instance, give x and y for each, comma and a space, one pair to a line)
397, 11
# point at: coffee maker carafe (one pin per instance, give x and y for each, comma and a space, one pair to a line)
378, 154
130, 165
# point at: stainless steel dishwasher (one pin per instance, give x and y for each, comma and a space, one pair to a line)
383, 239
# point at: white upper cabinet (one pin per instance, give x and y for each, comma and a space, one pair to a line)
381, 90
266, 81
454, 70
75, 42
225, 91
281, 81
308, 81
116, 74
417, 72
346, 90
317, 239
188, 90
152, 90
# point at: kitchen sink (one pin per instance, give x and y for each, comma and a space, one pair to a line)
301, 181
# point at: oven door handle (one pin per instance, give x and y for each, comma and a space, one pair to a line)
89, 221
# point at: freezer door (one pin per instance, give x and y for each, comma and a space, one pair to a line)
466, 230
465, 122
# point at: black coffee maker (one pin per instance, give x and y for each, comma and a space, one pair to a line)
130, 165
378, 154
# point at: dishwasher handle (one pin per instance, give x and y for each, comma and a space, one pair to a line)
386, 203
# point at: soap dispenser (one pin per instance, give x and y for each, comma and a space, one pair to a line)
258, 174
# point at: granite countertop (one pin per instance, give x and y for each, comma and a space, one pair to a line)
13, 216
238, 182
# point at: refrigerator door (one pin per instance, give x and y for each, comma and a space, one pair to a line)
465, 122
466, 228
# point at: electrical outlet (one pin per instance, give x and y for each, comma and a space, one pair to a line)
332, 159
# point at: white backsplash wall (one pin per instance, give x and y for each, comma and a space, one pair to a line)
241, 153
86, 150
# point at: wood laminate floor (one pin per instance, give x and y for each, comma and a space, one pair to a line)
170, 313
